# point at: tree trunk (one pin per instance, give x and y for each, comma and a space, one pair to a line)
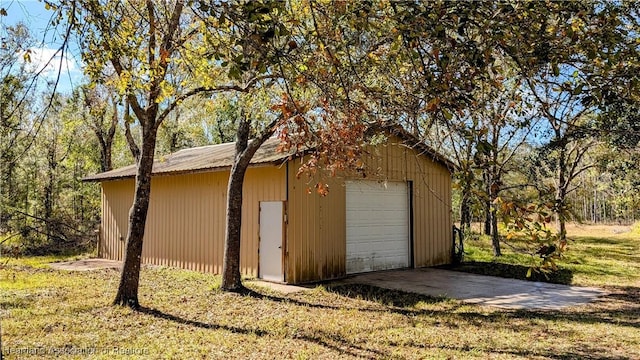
49, 194
561, 194
129, 280
231, 279
465, 214
487, 203
495, 239
133, 147
465, 201
105, 157
487, 219
493, 219
106, 144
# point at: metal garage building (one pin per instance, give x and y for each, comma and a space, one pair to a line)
397, 217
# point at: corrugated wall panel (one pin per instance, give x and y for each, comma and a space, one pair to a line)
316, 230
117, 197
261, 184
186, 220
316, 233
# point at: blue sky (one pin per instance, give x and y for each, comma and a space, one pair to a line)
48, 40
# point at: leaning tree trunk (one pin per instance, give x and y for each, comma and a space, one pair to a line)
129, 280
231, 279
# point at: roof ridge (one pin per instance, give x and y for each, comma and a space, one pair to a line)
200, 147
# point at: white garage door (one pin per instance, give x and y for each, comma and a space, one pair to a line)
377, 226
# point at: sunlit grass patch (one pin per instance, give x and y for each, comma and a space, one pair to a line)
596, 255
41, 261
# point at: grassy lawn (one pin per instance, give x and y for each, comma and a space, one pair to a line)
56, 313
596, 256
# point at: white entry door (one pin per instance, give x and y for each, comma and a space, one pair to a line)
377, 226
271, 235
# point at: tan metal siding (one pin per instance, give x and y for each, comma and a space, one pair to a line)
432, 212
117, 197
316, 248
316, 231
186, 220
261, 184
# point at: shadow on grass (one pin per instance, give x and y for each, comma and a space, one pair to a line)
621, 307
195, 323
591, 240
16, 303
622, 253
625, 313
330, 341
382, 296
561, 276
397, 302
260, 296
587, 352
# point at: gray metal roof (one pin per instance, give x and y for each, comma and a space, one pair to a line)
213, 157
198, 159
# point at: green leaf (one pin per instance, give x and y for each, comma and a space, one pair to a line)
556, 69
578, 90
447, 114
234, 72
529, 273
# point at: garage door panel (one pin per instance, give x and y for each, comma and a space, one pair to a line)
377, 226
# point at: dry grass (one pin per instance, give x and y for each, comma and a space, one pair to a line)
185, 316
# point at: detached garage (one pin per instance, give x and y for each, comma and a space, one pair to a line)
399, 216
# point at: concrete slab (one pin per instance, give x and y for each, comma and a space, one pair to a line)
94, 264
282, 288
87, 264
480, 289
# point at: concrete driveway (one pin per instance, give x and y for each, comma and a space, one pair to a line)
480, 289
470, 288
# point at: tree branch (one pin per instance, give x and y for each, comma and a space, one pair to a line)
133, 147
211, 90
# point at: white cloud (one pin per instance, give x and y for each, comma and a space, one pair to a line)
48, 61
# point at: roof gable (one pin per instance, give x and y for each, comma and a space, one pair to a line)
220, 156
